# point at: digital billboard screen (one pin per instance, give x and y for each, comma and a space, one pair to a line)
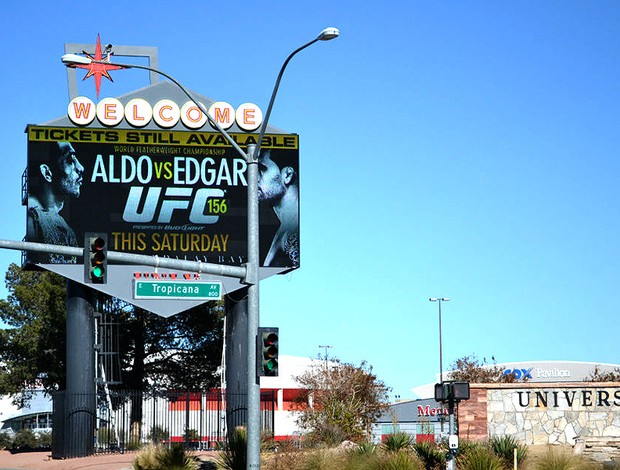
176, 194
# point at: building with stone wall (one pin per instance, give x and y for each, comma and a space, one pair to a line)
541, 413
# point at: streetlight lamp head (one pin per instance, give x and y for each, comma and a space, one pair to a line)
71, 60
328, 33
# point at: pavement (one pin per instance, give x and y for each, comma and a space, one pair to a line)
44, 461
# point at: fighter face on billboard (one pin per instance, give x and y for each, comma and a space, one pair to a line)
278, 185
53, 178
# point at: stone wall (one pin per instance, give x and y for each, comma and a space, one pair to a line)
535, 413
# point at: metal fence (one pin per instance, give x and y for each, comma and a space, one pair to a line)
126, 420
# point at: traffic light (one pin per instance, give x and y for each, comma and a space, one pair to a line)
95, 258
267, 352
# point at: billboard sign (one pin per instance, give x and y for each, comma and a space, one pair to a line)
166, 193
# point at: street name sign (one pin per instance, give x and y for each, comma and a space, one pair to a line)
188, 290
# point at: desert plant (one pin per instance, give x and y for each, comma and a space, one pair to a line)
562, 460
165, 458
432, 455
397, 441
176, 458
401, 460
233, 453
465, 446
365, 448
504, 447
146, 459
322, 459
479, 458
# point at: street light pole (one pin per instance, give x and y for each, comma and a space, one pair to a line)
251, 272
326, 347
440, 300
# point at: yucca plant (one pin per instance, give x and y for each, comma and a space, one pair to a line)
504, 447
233, 454
432, 455
397, 441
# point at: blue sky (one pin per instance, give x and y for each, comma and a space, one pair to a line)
460, 149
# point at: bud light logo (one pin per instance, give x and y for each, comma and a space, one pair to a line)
520, 373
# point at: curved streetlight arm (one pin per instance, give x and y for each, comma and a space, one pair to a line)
325, 35
273, 95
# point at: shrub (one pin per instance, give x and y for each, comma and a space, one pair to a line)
401, 461
164, 458
432, 455
479, 458
176, 458
328, 435
233, 453
44, 440
562, 460
504, 448
397, 441
146, 458
6, 441
323, 460
25, 439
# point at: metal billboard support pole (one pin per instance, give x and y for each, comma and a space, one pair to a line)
80, 403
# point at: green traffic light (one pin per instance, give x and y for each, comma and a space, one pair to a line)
98, 272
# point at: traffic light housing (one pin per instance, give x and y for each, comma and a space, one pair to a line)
446, 392
95, 258
267, 352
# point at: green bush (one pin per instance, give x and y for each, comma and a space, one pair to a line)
504, 448
397, 441
45, 440
479, 458
6, 441
431, 454
25, 439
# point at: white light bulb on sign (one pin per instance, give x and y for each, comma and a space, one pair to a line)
81, 111
138, 112
249, 116
110, 111
192, 116
223, 113
166, 113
